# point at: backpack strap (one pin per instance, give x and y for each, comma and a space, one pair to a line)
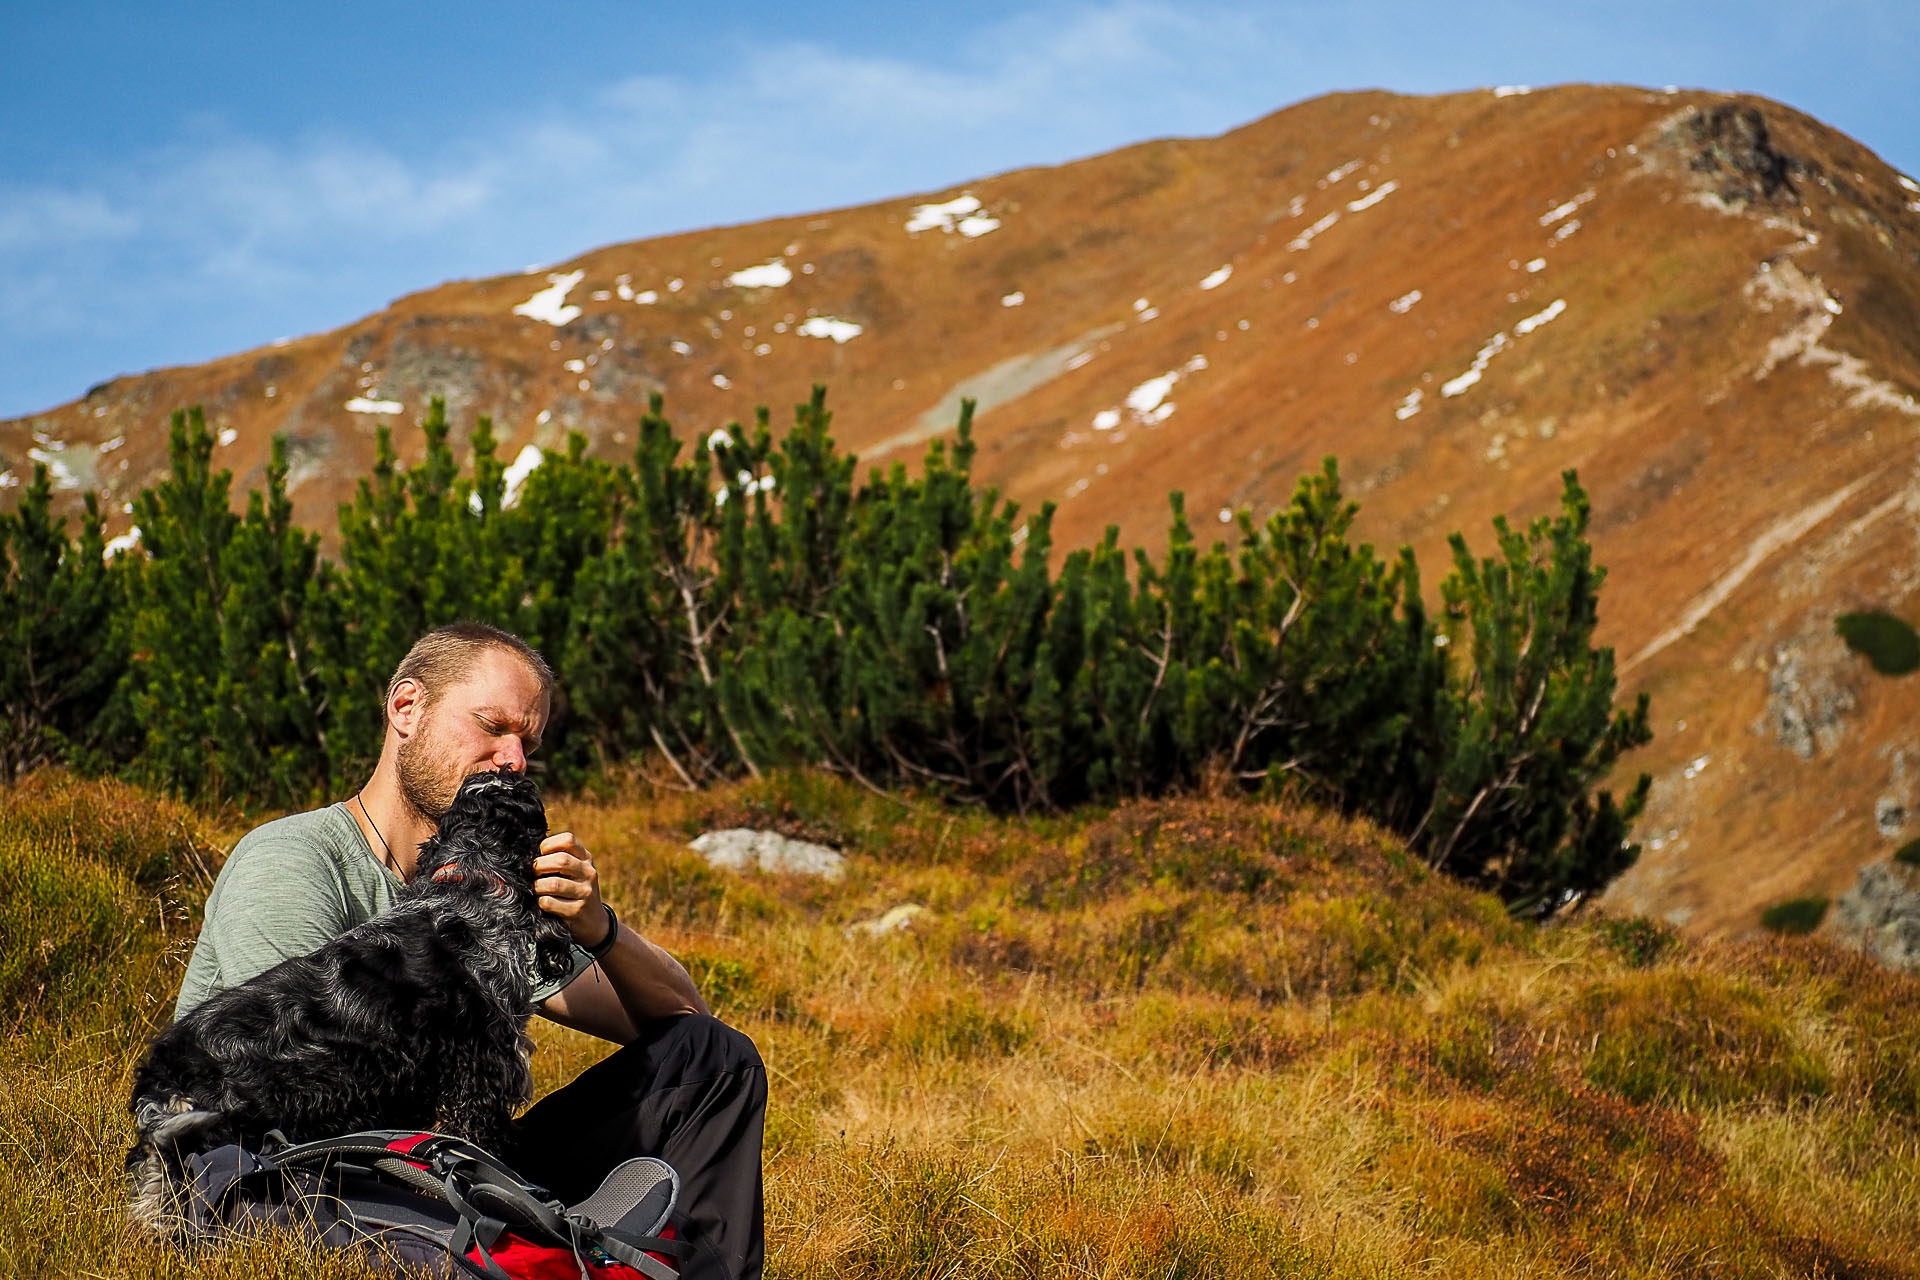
638, 1253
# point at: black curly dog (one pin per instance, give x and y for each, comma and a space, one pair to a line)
415, 1019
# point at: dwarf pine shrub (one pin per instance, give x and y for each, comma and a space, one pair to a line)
1796, 915
722, 608
1882, 639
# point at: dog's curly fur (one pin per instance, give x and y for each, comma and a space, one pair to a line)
415, 1019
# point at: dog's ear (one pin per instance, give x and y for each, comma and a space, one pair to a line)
552, 947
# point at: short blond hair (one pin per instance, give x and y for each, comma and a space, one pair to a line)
443, 657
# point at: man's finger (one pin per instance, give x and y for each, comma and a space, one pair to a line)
564, 842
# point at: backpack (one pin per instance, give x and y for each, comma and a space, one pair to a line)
428, 1202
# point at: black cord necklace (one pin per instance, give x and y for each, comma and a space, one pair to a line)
360, 798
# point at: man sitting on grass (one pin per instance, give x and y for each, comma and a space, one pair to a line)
684, 1086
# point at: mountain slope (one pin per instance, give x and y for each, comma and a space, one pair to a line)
1709, 305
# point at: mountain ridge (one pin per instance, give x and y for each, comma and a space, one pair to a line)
1707, 304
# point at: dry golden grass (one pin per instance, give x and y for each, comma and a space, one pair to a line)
1197, 1037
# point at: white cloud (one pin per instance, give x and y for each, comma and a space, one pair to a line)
34, 219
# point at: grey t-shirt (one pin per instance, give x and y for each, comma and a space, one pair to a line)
289, 887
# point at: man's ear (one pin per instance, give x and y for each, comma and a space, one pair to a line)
406, 704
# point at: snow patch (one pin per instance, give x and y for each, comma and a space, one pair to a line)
679, 348
548, 305
720, 380
1566, 229
1481, 359
1404, 303
829, 327
8, 480
517, 472
1013, 299
124, 543
1148, 403
1536, 266
1532, 322
1500, 342
646, 298
1380, 193
361, 404
1908, 183
1558, 212
1218, 277
227, 436
1334, 175
112, 444
962, 214
720, 439
768, 275
575, 366
1306, 237
1512, 90
1149, 395
1409, 406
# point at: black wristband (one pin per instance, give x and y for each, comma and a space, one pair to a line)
613, 933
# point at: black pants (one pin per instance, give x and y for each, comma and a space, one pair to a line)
692, 1091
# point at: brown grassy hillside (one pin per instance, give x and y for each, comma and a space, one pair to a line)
1192, 1038
1707, 304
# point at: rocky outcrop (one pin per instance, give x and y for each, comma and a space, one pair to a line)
1881, 915
1807, 704
1736, 145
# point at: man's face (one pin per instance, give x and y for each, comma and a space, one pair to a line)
493, 719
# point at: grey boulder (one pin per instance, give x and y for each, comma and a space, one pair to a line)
744, 849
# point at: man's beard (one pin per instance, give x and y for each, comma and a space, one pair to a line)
428, 780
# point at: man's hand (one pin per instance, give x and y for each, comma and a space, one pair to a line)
642, 982
568, 886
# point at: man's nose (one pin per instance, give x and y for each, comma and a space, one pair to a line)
509, 754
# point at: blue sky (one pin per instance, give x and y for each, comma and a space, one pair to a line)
179, 182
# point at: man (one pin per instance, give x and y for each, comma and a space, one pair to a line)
683, 1086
